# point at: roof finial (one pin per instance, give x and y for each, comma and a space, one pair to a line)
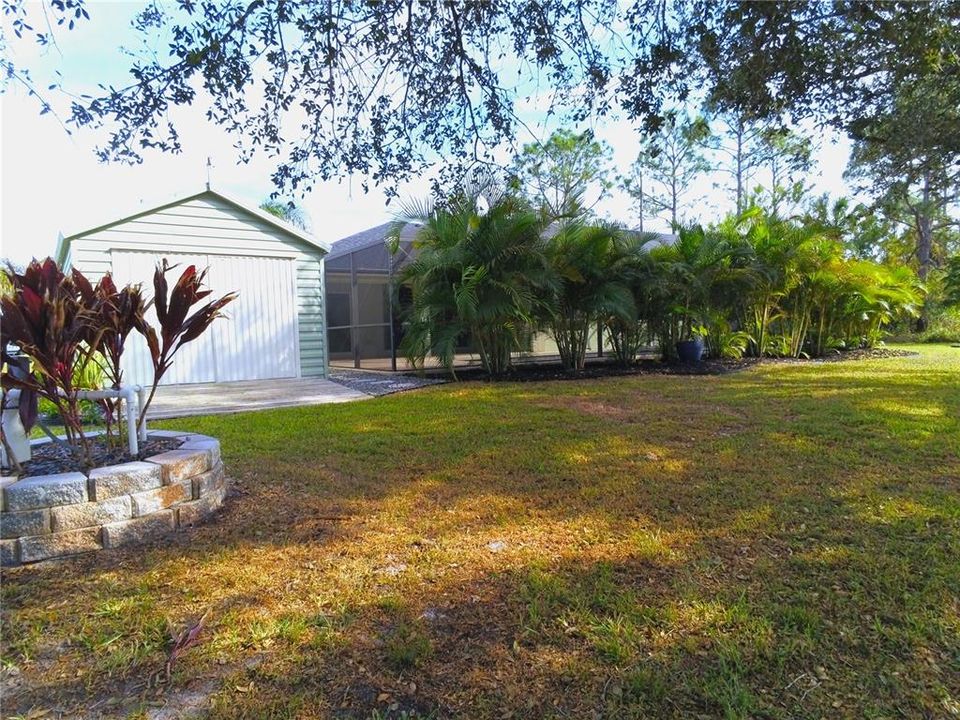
209, 166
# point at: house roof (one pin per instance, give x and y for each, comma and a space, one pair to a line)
369, 238
145, 208
377, 235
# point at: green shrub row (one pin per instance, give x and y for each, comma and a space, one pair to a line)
490, 273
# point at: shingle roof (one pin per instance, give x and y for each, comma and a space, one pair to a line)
378, 235
369, 238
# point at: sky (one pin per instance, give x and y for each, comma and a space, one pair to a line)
52, 182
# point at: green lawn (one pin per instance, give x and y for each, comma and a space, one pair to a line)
782, 542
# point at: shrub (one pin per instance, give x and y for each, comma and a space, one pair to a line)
478, 275
592, 271
944, 328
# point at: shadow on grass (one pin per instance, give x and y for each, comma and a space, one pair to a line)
746, 546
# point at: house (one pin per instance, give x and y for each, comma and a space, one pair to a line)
276, 326
364, 326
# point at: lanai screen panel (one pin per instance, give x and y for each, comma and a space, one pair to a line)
363, 325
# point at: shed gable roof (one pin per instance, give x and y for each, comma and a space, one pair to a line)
63, 242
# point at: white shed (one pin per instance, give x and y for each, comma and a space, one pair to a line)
276, 327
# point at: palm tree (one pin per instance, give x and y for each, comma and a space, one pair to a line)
647, 285
591, 264
288, 212
774, 246
874, 296
477, 274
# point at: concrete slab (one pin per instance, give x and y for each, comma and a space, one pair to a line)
222, 398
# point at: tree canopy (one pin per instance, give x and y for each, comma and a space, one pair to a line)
566, 175
384, 89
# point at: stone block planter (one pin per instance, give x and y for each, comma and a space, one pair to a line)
51, 516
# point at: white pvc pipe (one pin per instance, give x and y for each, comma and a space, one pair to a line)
127, 394
141, 401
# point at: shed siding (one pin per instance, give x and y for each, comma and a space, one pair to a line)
207, 225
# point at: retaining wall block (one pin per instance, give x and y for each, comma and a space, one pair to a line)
140, 529
73, 517
9, 553
4, 481
71, 542
25, 522
211, 446
125, 479
208, 481
194, 512
180, 465
168, 434
151, 501
45, 491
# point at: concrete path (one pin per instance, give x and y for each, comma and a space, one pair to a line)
221, 398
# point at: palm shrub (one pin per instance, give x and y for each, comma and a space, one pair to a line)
693, 271
478, 274
771, 248
871, 296
833, 300
592, 268
629, 333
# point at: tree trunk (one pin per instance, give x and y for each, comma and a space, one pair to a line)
673, 201
739, 167
924, 246
641, 202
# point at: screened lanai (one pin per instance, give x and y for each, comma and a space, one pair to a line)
364, 312
363, 326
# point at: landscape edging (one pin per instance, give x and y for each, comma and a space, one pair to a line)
52, 516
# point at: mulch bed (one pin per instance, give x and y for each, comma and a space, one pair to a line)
602, 367
53, 457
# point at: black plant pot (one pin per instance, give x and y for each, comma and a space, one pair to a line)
690, 351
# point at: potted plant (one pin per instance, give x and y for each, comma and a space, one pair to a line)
691, 347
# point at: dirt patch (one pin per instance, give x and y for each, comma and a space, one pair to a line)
54, 457
844, 355
602, 367
597, 409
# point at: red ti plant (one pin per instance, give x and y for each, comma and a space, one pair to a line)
48, 318
117, 313
19, 366
177, 326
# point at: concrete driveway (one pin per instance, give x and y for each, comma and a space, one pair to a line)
221, 398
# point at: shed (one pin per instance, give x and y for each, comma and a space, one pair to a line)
276, 327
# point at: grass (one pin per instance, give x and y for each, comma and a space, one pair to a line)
776, 543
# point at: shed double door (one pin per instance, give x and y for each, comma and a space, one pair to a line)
257, 340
